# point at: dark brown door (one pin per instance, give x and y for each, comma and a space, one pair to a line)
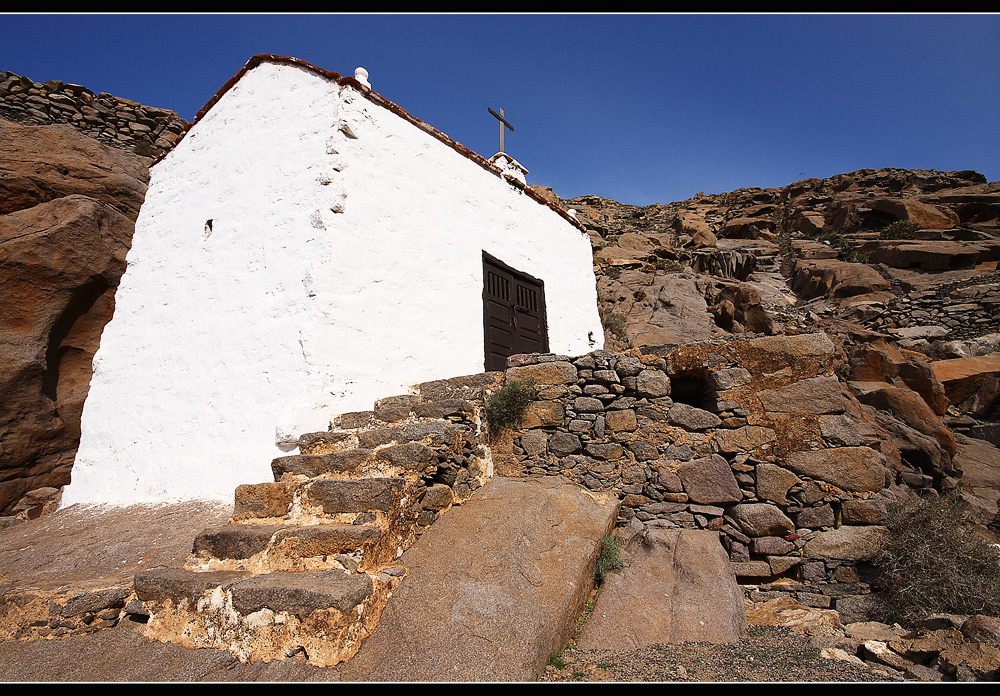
513, 313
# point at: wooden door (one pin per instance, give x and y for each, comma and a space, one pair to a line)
513, 313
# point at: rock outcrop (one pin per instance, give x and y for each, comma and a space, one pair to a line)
67, 211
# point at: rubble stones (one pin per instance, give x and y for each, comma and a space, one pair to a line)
745, 439
121, 123
652, 384
773, 482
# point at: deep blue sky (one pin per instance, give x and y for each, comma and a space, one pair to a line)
639, 108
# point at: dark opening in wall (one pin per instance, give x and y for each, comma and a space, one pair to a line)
692, 389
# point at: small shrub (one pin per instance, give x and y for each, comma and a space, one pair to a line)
615, 325
505, 407
857, 257
610, 559
557, 660
901, 229
934, 563
668, 265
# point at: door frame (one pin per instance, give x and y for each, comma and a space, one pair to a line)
490, 259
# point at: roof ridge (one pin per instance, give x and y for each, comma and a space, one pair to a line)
376, 98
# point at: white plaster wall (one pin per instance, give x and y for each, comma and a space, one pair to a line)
343, 264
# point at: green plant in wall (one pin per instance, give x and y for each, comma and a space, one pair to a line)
610, 559
506, 407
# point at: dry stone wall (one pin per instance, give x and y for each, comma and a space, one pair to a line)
115, 121
754, 439
961, 310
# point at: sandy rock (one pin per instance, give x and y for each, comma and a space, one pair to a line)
927, 255
796, 616
924, 214
907, 406
838, 279
982, 629
67, 212
677, 585
493, 588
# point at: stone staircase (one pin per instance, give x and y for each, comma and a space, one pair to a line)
305, 565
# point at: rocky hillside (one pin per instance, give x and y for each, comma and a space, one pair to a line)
898, 267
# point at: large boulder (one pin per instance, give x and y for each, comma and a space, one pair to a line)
856, 469
962, 377
837, 279
493, 589
677, 586
924, 214
931, 255
67, 212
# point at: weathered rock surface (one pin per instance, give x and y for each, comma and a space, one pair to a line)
493, 588
962, 377
857, 469
67, 211
677, 586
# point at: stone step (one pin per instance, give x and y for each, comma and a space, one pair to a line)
301, 594
353, 420
314, 465
242, 541
178, 585
445, 408
350, 496
396, 408
324, 442
322, 615
439, 432
470, 387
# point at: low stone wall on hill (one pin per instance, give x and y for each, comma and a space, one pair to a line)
755, 439
146, 130
966, 309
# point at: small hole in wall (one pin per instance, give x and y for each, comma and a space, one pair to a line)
693, 390
208, 228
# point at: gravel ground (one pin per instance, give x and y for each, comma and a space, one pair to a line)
767, 654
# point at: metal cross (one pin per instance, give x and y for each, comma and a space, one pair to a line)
499, 117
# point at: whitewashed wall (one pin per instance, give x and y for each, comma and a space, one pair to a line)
343, 263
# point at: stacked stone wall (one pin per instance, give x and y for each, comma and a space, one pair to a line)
968, 308
754, 439
121, 123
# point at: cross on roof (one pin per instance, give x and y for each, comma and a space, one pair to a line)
503, 123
